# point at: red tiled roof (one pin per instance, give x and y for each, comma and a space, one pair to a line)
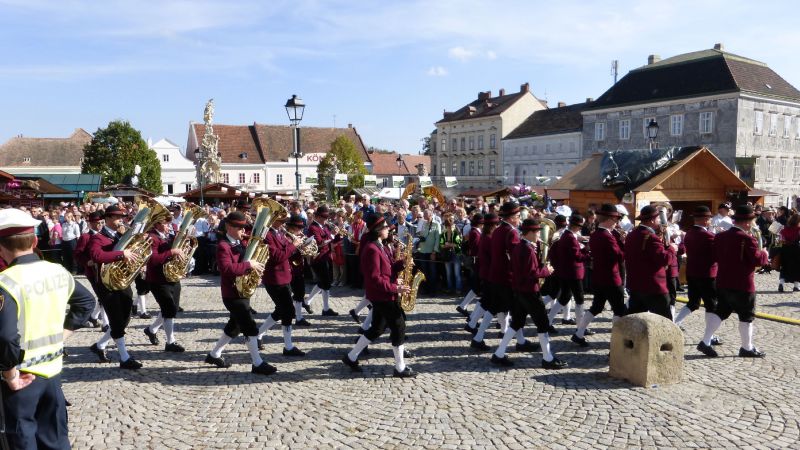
44, 151
386, 163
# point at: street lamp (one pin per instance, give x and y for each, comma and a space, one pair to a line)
199, 161
399, 167
294, 109
652, 132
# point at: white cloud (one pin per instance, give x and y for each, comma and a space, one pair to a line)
437, 71
490, 55
461, 54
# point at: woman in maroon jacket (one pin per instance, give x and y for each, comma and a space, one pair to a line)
483, 261
230, 252
470, 257
382, 291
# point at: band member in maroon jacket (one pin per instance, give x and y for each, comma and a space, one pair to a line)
570, 259
528, 268
277, 279
117, 304
470, 256
88, 268
737, 255
646, 260
607, 261
297, 262
230, 251
165, 292
322, 263
376, 267
483, 262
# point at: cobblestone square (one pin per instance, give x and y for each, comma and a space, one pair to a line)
458, 400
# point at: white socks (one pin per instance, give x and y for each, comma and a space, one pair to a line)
520, 336
568, 310
468, 299
578, 313
501, 349
298, 311
712, 323
399, 361
502, 319
548, 301
156, 325
584, 324
682, 315
487, 320
123, 351
169, 329
672, 312
544, 341
476, 314
313, 294
362, 343
746, 332
220, 345
361, 305
141, 305
269, 323
554, 310
287, 338
367, 321
325, 295
103, 342
252, 345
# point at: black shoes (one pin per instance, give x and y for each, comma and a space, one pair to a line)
218, 362
479, 345
307, 307
406, 373
568, 322
579, 340
181, 309
261, 345
101, 353
754, 353
780, 288
555, 364
355, 316
462, 311
588, 332
471, 330
174, 348
329, 312
353, 365
302, 323
130, 364
95, 323
528, 346
504, 361
707, 350
407, 354
552, 330
150, 335
293, 352
104, 328
145, 315
264, 369
715, 340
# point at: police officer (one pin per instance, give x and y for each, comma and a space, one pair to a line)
33, 296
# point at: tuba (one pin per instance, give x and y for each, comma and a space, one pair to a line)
119, 275
257, 249
663, 220
409, 300
176, 267
546, 236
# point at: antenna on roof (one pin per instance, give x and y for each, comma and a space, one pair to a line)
615, 69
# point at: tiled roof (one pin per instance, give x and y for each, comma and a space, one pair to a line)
486, 105
44, 151
695, 74
262, 143
549, 121
386, 163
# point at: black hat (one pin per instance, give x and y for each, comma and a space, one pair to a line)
322, 211
608, 210
236, 219
560, 220
375, 222
490, 218
509, 209
725, 205
115, 210
743, 212
530, 225
702, 211
477, 219
295, 220
95, 216
648, 212
576, 220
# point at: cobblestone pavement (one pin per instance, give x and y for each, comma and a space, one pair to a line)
459, 400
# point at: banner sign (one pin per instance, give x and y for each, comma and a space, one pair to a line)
340, 180
397, 181
370, 181
450, 182
425, 181
311, 180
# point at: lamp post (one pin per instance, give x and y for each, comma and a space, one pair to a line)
399, 167
198, 156
294, 109
652, 133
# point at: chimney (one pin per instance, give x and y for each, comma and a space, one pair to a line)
719, 46
525, 87
561, 104
484, 95
652, 59
589, 99
349, 125
502, 92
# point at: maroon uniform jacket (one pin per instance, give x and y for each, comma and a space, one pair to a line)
568, 264
485, 256
646, 262
527, 270
672, 267
607, 258
321, 233
376, 268
161, 253
3, 265
101, 250
230, 265
699, 244
737, 256
297, 262
278, 269
504, 239
82, 255
473, 241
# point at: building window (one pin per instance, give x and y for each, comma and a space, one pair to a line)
463, 168
770, 168
441, 168
454, 169
241, 177
226, 178
463, 144
676, 125
187, 187
784, 166
170, 187
706, 122
472, 142
279, 179
455, 144
26, 159
599, 131
572, 147
165, 157
759, 168
758, 126
796, 170
773, 124
471, 168
787, 126
547, 169
492, 141
480, 142
645, 123
256, 177
547, 149
624, 129
480, 167
491, 167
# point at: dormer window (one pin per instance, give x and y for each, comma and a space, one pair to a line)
165, 157
243, 155
26, 159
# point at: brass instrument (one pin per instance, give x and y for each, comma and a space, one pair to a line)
176, 267
309, 247
119, 275
257, 249
663, 221
546, 236
408, 300
279, 212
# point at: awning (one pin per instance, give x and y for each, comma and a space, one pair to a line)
760, 193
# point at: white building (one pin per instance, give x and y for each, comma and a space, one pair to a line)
177, 171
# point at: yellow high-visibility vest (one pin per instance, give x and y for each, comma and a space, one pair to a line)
41, 291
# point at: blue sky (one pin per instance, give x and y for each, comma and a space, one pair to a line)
387, 67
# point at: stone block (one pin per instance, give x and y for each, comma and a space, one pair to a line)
646, 349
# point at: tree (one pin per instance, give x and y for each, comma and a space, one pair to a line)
114, 152
426, 145
342, 158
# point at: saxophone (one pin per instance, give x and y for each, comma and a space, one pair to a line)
409, 300
175, 267
257, 249
118, 275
